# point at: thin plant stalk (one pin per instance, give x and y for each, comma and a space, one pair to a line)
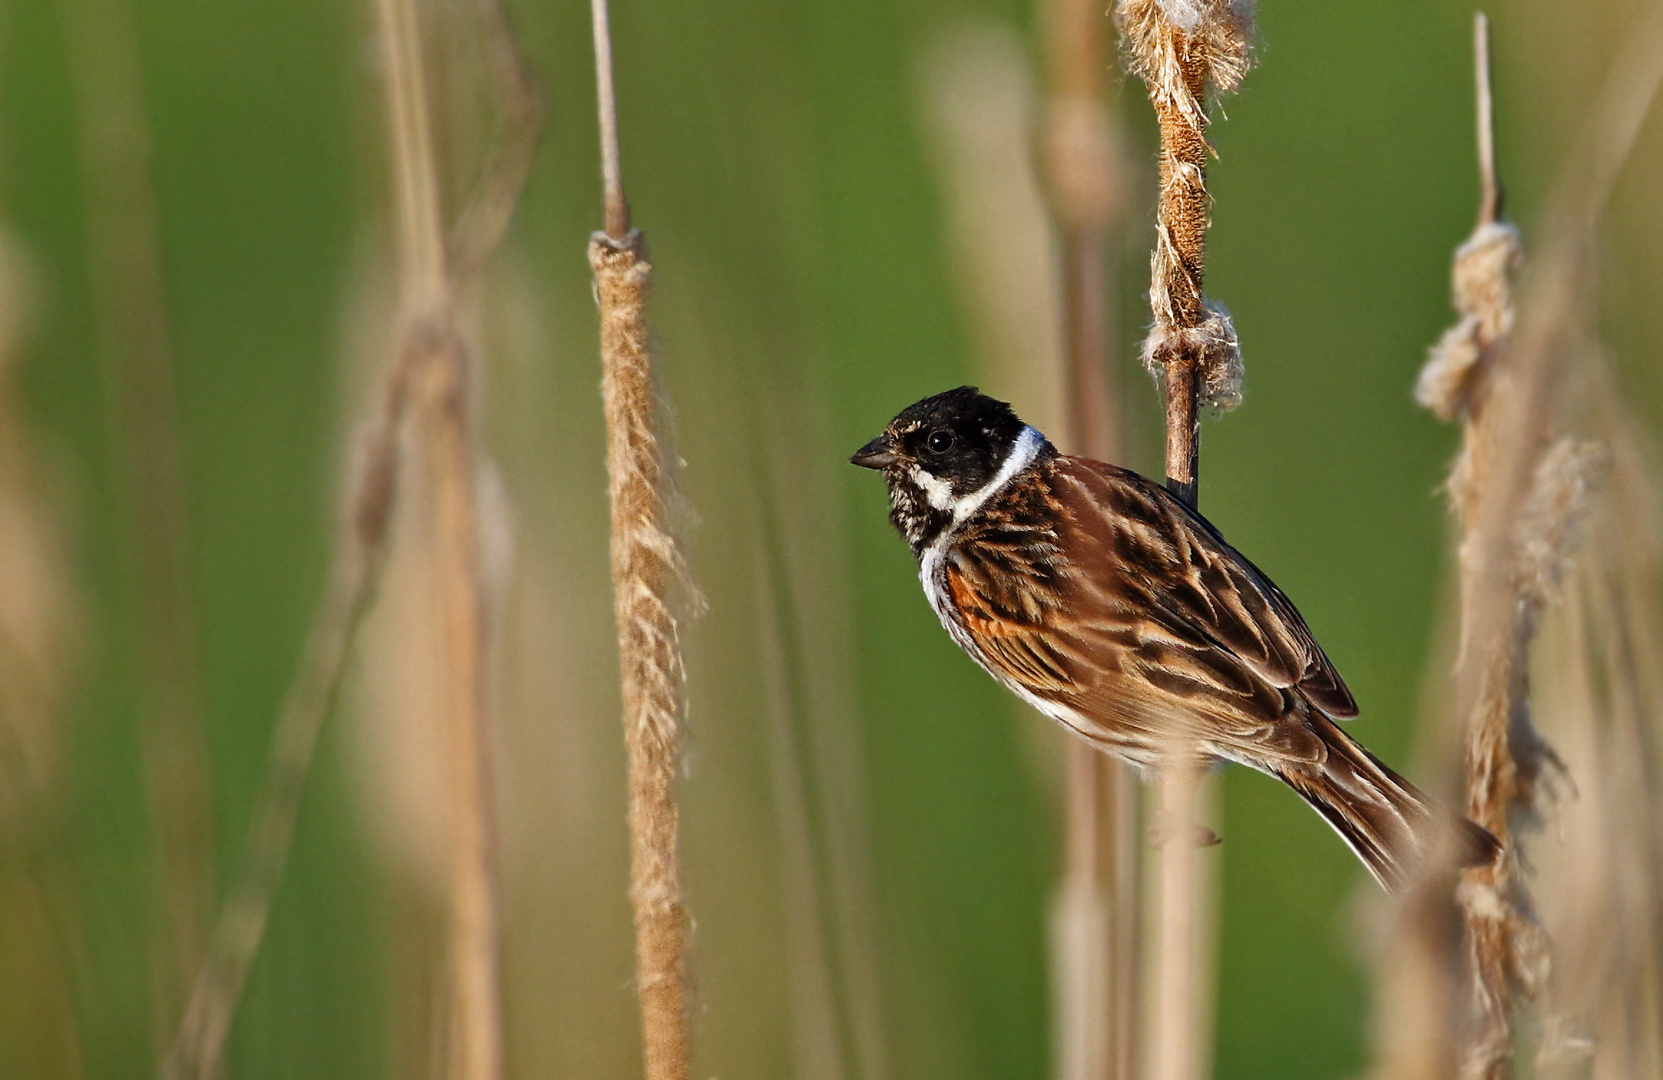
1175, 1051
440, 393
134, 336
645, 566
1094, 953
1183, 52
427, 379
1515, 488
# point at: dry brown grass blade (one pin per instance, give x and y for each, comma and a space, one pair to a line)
646, 565
134, 337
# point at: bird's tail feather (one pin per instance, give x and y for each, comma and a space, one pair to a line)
1391, 825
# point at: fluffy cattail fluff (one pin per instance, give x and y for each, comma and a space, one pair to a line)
644, 564
1484, 302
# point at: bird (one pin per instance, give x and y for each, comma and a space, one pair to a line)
1117, 610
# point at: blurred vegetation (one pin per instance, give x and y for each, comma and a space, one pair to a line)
775, 158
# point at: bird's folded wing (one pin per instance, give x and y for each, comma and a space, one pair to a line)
1158, 577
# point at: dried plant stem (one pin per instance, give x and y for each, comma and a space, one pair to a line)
476, 1022
1180, 261
1192, 344
1175, 1050
612, 174
1517, 493
427, 378
1095, 944
440, 385
1094, 948
645, 564
1085, 186
1489, 201
1183, 52
1504, 948
123, 237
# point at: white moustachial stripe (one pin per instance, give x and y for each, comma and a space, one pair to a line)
938, 491
1022, 454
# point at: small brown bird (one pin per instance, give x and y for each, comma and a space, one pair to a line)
1116, 610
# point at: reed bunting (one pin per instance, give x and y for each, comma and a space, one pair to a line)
1112, 607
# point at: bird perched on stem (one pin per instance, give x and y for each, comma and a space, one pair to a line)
1112, 607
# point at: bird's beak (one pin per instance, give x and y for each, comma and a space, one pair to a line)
877, 454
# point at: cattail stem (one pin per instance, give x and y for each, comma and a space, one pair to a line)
1183, 51
1181, 223
1489, 202
428, 380
612, 174
1516, 491
645, 564
1175, 1050
1192, 345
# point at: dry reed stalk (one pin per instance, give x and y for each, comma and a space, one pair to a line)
1469, 376
133, 336
1084, 178
977, 105
1177, 1033
646, 564
1094, 947
1517, 489
1185, 50
427, 379
441, 392
643, 566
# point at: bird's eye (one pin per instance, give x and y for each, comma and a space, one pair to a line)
939, 442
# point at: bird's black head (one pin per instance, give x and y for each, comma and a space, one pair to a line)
945, 455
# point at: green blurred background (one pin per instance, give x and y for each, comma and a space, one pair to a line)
854, 788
